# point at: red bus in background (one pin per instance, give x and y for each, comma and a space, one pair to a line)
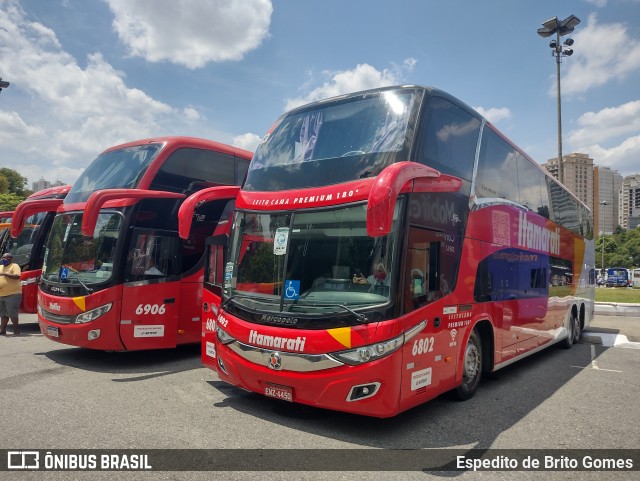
116, 276
27, 245
459, 229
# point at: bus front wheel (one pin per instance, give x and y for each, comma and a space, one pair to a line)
471, 367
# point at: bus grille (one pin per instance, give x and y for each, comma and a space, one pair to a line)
57, 318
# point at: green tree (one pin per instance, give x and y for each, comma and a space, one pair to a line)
9, 201
16, 183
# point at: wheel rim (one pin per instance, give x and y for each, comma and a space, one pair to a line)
471, 362
576, 329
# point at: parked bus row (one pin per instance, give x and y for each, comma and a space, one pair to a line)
115, 275
385, 247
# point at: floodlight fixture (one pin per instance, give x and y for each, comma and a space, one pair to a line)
559, 28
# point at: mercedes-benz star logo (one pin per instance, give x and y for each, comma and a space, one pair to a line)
275, 361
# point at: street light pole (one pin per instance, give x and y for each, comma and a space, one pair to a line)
604, 202
559, 28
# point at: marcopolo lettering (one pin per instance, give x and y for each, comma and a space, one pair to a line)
277, 342
434, 210
268, 318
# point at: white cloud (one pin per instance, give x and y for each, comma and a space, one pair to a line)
607, 124
70, 113
191, 114
362, 77
602, 52
191, 32
625, 157
247, 141
494, 115
598, 3
611, 137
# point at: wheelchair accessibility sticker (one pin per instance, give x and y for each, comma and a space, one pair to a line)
292, 290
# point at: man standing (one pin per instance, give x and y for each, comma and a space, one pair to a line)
10, 293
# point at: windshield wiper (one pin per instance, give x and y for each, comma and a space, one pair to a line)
227, 301
359, 317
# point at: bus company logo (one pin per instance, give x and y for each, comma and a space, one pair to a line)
23, 460
277, 342
533, 236
269, 319
54, 306
275, 361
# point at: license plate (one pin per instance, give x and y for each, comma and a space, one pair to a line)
53, 331
279, 392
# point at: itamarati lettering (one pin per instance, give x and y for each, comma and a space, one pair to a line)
533, 236
277, 342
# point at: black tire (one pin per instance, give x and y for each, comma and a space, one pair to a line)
574, 332
471, 368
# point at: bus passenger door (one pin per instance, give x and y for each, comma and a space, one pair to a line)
212, 297
150, 296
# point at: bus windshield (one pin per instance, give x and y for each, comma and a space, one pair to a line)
339, 142
120, 168
21, 246
312, 263
75, 259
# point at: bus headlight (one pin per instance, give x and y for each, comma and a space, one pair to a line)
223, 337
372, 352
93, 314
363, 354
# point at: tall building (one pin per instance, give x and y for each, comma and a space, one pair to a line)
44, 184
607, 184
629, 202
577, 170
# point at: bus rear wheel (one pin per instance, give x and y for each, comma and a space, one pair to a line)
573, 332
471, 368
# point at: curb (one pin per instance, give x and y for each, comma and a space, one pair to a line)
617, 309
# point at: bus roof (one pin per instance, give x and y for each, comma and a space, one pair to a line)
191, 141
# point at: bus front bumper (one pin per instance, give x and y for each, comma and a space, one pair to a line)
371, 389
101, 334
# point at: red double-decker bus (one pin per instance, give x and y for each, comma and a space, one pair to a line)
30, 228
116, 275
388, 246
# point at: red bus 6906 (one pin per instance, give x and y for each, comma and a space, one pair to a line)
116, 276
388, 246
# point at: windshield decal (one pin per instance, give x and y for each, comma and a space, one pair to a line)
292, 292
280, 241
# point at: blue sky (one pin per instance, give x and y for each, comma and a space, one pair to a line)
89, 74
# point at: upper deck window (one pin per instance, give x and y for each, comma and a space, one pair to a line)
334, 142
115, 169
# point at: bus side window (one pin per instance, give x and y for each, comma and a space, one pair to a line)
422, 268
151, 256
